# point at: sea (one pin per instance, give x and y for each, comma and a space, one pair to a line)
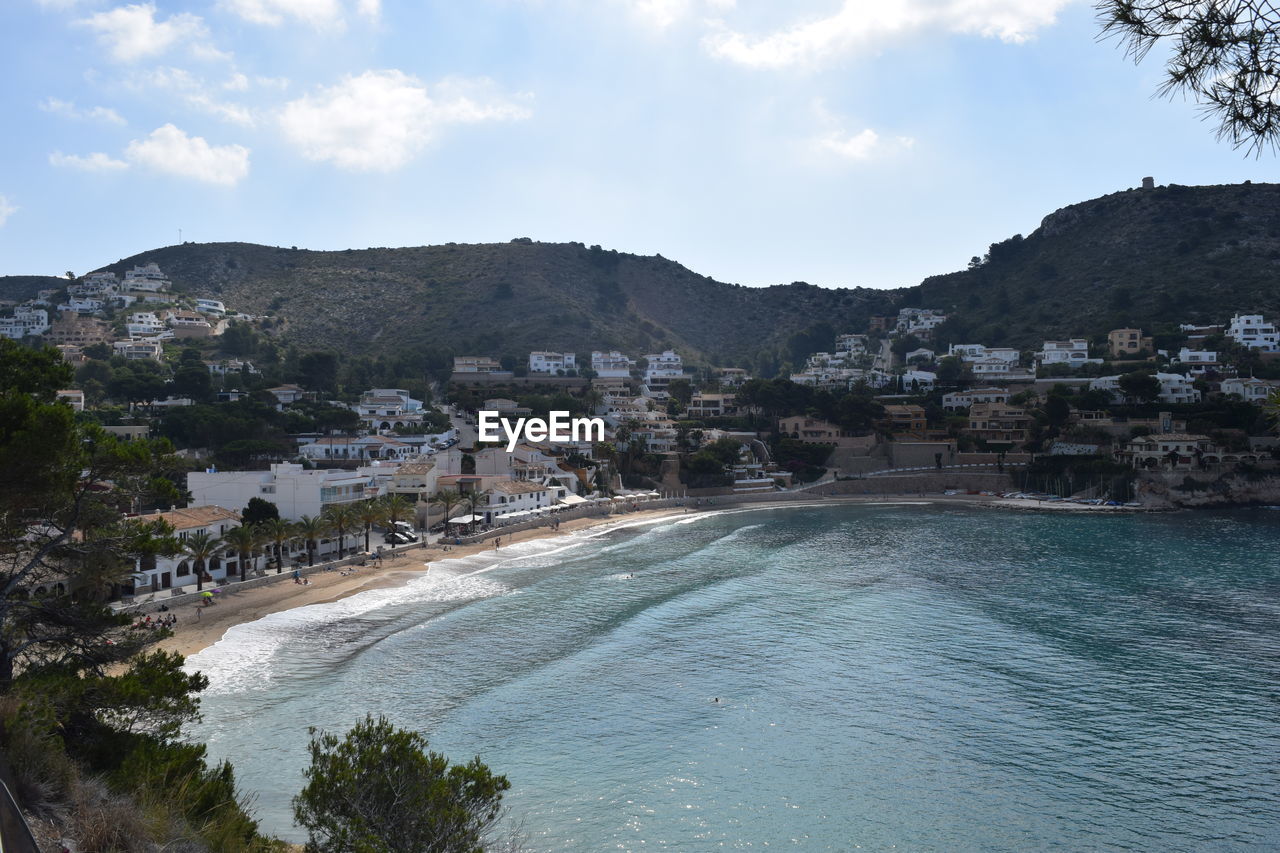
898, 676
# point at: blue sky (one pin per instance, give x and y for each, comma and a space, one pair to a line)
840, 142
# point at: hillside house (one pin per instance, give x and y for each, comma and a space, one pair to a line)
1074, 352
707, 405
1127, 343
998, 423
958, 400
1254, 332
552, 363
611, 365
383, 409
139, 350
476, 364
662, 368
72, 397
1248, 389
905, 420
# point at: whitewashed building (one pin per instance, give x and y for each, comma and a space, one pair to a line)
1073, 352
611, 364
1248, 389
295, 490
1254, 332
552, 363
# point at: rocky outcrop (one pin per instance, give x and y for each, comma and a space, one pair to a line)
1186, 490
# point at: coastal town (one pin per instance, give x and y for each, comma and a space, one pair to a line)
1124, 418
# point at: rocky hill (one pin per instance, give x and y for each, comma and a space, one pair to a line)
504, 299
1148, 258
1139, 257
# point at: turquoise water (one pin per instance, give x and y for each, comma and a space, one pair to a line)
898, 676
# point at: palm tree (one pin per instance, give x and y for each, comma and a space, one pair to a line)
368, 513
446, 499
243, 540
395, 508
201, 547
342, 518
471, 501
279, 531
312, 528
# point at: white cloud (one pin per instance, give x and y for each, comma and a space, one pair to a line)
369, 8
95, 162
863, 145
379, 120
171, 151
861, 26
67, 109
194, 92
660, 13
321, 14
132, 32
7, 209
237, 82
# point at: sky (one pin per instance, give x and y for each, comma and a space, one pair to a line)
840, 142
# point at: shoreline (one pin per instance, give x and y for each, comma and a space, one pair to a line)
201, 627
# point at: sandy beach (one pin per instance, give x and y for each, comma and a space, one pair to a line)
201, 627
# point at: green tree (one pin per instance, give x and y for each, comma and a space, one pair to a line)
201, 547
395, 508
312, 528
244, 540
257, 511
446, 499
1057, 410
380, 789
1140, 386
1226, 56
342, 518
278, 532
368, 513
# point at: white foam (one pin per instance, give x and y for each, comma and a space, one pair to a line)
242, 659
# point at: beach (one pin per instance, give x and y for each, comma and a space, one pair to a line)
200, 627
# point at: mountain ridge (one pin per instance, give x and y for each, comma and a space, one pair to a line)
1146, 257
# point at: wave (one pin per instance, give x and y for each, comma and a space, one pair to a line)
243, 659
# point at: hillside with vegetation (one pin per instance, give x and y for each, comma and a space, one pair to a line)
501, 299
1148, 258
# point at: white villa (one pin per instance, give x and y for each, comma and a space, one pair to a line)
1250, 390
24, 322
611, 365
1254, 332
388, 408
139, 350
919, 321
146, 278
1198, 361
957, 400
553, 363
1073, 352
144, 324
663, 367
1174, 388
